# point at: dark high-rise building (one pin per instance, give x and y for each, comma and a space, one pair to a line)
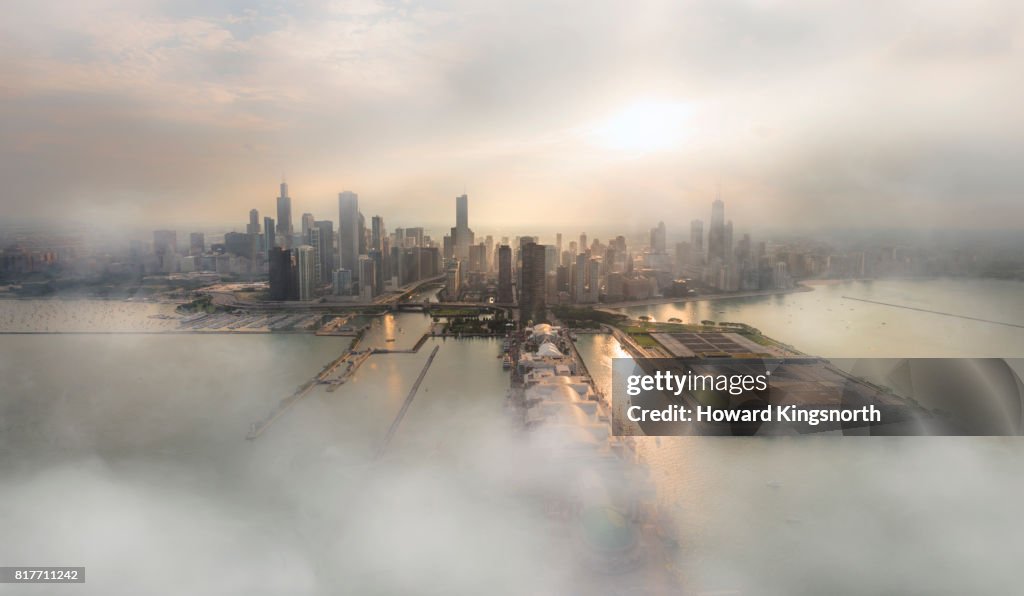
505, 274
327, 250
348, 232
238, 244
377, 233
562, 279
367, 278
284, 213
449, 246
430, 262
269, 239
284, 282
378, 267
531, 295
363, 240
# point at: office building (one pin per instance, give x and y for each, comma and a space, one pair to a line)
505, 274
532, 306
348, 232
283, 274
284, 214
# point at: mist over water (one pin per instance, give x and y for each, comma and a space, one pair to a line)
126, 454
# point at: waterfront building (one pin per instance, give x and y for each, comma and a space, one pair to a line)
453, 280
531, 295
306, 271
283, 279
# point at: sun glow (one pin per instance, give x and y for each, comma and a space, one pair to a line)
643, 127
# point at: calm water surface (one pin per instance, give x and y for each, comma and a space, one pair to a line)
126, 453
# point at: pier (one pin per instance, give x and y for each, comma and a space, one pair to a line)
407, 403
351, 355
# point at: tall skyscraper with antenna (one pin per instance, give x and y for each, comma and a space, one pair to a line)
284, 214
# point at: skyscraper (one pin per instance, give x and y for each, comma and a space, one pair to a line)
307, 223
505, 274
254, 222
327, 251
377, 233
196, 244
284, 213
305, 262
348, 232
716, 233
658, 238
283, 279
462, 212
269, 239
378, 267
697, 236
594, 289
367, 278
579, 278
531, 295
461, 234
313, 241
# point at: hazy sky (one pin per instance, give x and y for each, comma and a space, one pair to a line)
580, 113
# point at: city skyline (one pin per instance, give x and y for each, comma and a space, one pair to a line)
805, 115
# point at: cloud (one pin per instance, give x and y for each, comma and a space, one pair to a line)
833, 112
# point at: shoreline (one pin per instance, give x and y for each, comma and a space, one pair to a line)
702, 297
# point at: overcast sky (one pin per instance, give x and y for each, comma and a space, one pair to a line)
580, 113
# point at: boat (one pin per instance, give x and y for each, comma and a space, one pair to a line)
506, 362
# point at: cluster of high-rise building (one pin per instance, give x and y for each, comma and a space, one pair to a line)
355, 263
347, 260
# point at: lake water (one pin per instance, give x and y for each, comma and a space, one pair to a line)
126, 454
822, 322
822, 515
